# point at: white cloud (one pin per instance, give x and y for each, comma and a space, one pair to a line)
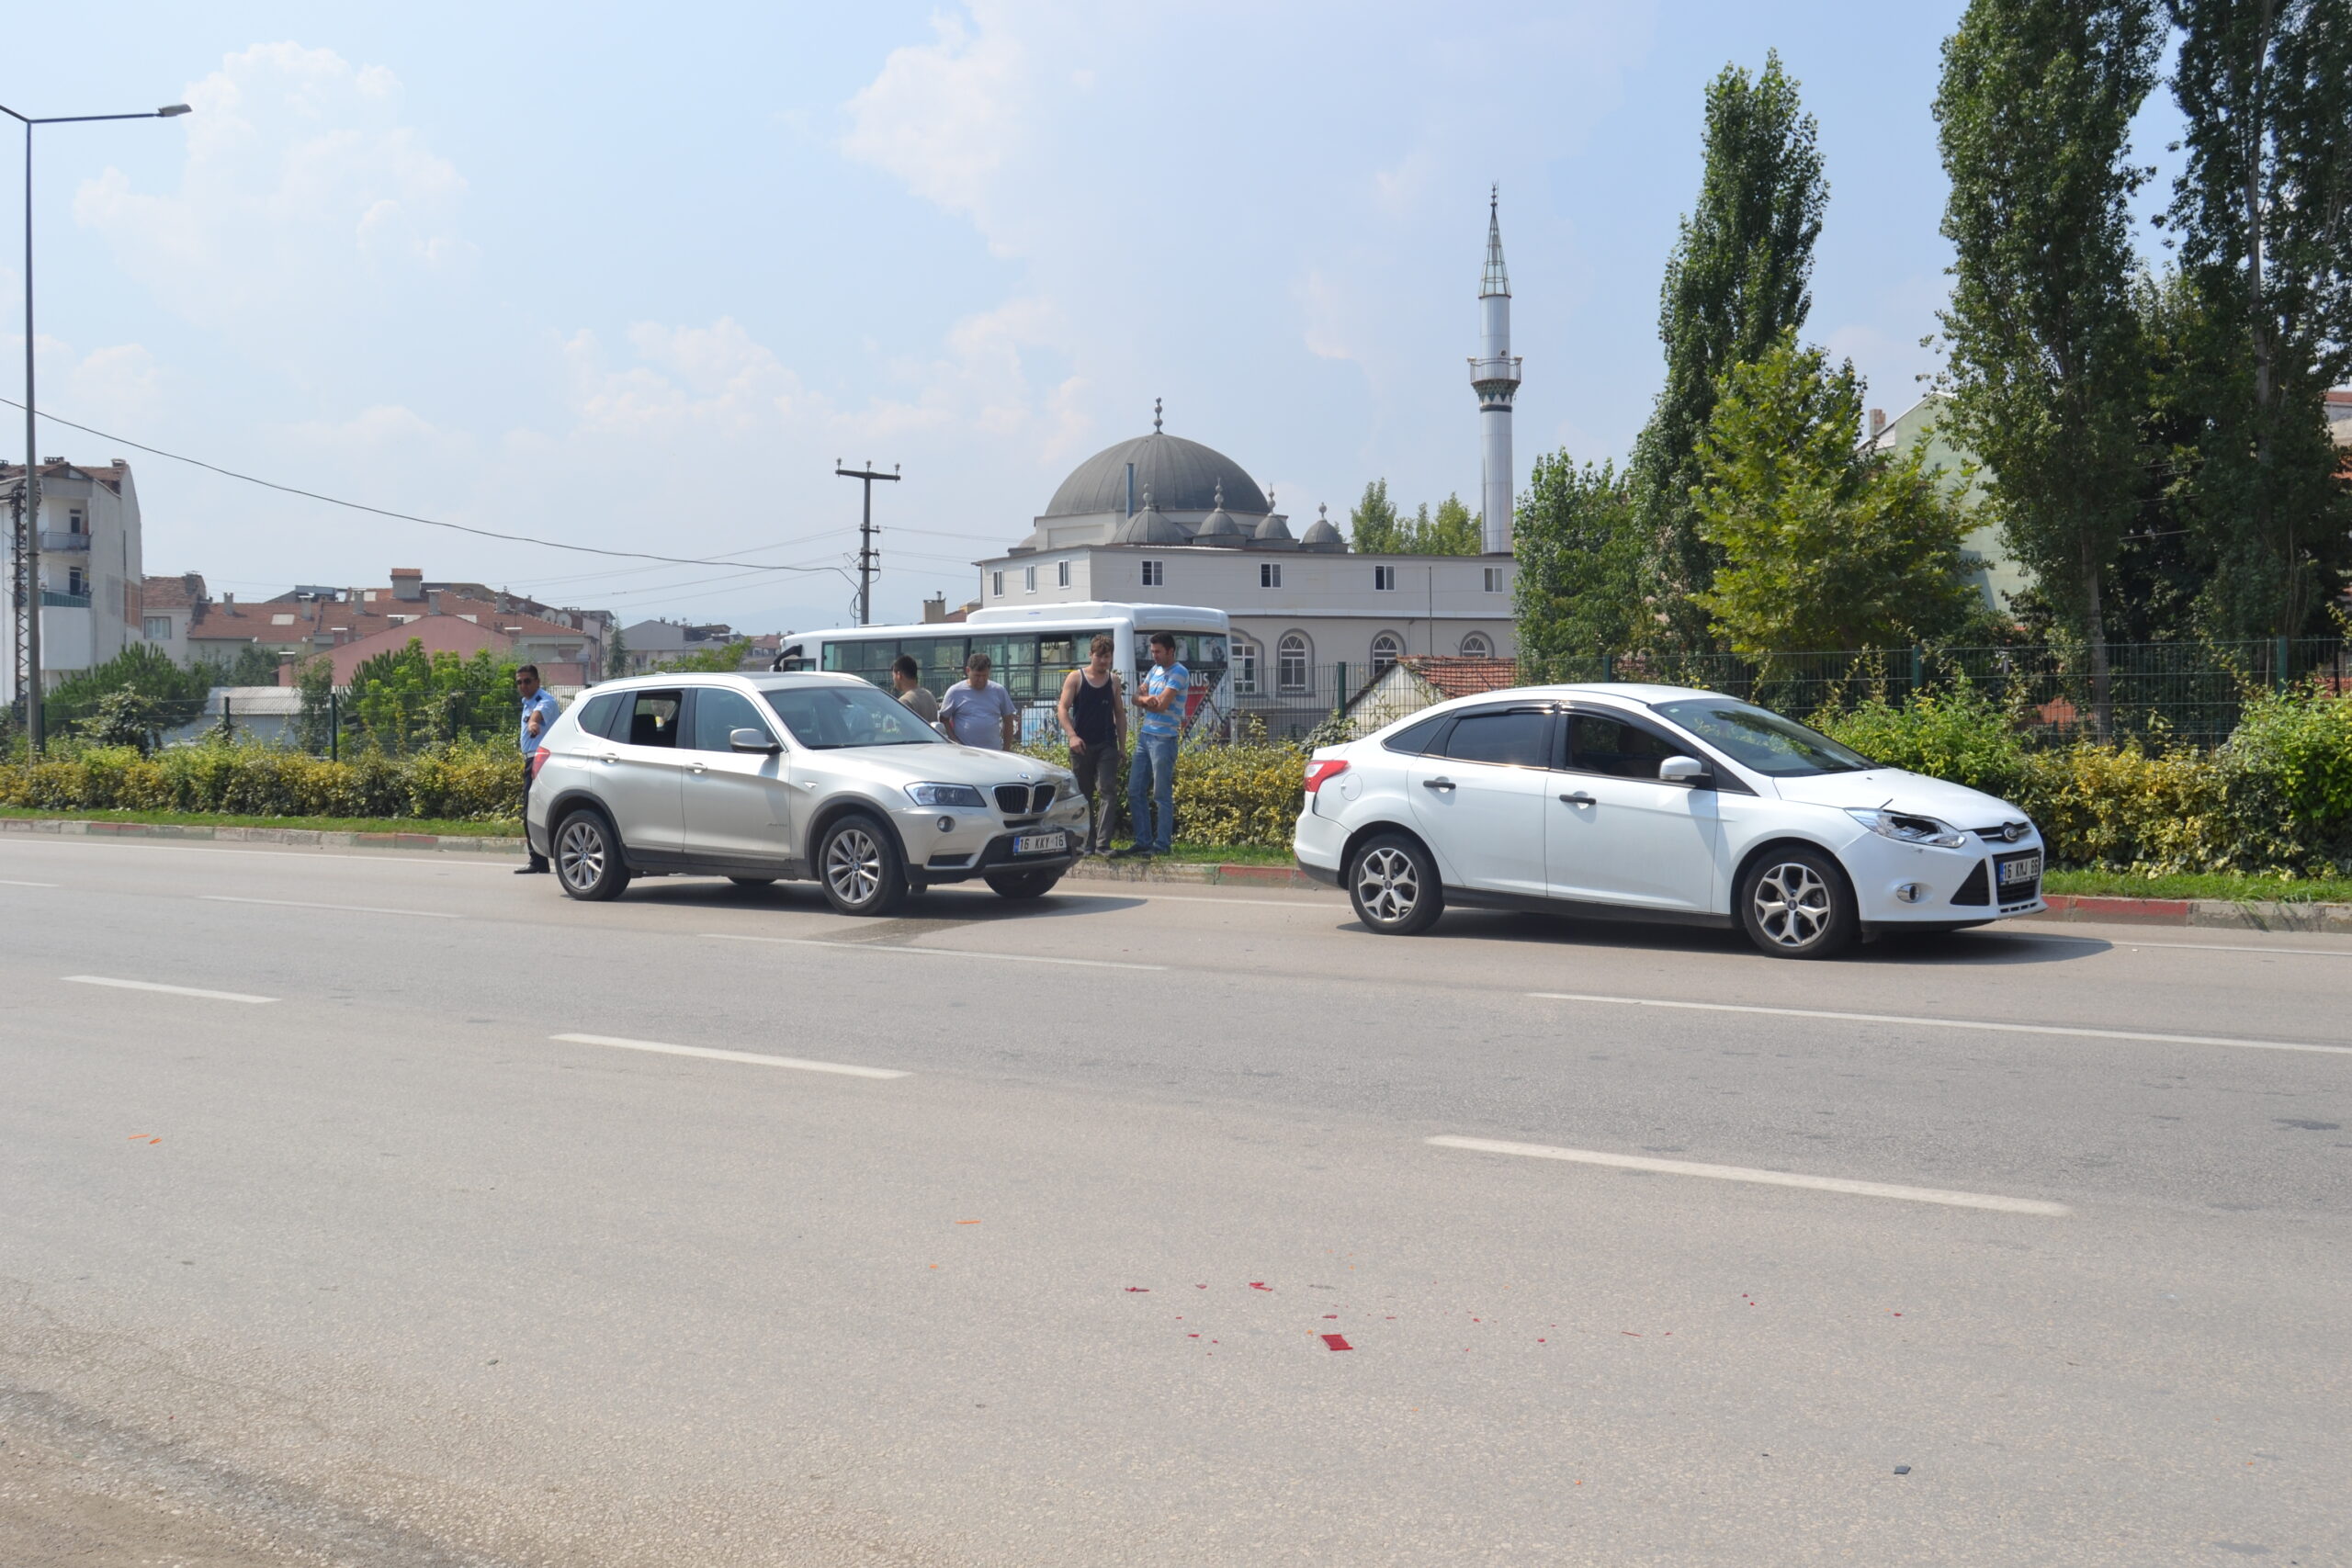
300, 187
945, 117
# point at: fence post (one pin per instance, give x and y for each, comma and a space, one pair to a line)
228, 723
1608, 667
1339, 678
2279, 664
1918, 668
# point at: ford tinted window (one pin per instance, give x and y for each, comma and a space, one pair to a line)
1521, 739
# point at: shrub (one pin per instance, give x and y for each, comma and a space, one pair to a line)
468, 780
1960, 735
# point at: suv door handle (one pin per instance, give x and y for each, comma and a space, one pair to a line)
612, 756
1579, 798
1437, 784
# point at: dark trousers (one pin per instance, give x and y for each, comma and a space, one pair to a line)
537, 860
1097, 768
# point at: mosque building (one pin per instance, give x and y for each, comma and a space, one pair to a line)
1161, 519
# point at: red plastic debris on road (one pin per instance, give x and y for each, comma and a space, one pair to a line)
1337, 1342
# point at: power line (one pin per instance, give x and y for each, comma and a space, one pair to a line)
409, 518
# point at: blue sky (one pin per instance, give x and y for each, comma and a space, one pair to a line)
635, 278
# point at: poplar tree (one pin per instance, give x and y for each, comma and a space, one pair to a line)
1577, 546
1737, 280
2261, 213
2046, 370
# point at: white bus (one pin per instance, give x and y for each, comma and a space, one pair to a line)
1031, 652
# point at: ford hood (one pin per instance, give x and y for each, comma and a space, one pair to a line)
1891, 787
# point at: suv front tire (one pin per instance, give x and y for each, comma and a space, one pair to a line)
859, 866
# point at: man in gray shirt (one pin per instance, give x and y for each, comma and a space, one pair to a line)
979, 712
905, 680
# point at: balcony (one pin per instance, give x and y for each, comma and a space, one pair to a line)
52, 540
52, 599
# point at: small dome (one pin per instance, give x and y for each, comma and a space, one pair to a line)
1321, 534
1149, 527
1219, 528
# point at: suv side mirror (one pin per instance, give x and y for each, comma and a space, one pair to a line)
758, 741
1685, 769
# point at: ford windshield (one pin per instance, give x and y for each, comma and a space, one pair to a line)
1761, 739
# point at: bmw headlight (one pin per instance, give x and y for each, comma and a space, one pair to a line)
945, 795
1909, 826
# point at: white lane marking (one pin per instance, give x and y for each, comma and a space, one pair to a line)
167, 990
11, 882
1200, 898
932, 951
1766, 1177
1953, 1024
754, 1057
347, 909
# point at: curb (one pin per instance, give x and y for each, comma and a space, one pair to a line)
307, 838
2220, 913
1196, 873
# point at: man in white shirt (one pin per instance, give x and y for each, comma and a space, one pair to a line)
980, 712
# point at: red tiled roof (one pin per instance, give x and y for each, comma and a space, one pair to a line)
109, 476
436, 633
1456, 676
180, 593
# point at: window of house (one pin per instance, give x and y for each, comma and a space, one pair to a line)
996, 584
1493, 580
1290, 662
76, 581
1269, 574
1387, 649
75, 523
1155, 574
1477, 645
1028, 580
1245, 668
1061, 574
157, 628
1384, 578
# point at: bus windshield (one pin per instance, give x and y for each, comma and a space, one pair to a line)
830, 717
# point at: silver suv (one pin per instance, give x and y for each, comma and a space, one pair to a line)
759, 778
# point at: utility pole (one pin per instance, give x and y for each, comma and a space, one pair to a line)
29, 558
865, 553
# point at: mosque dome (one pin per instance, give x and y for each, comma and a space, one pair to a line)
1184, 475
1321, 534
1273, 528
1149, 527
1219, 528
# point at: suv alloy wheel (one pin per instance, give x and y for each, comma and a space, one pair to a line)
858, 865
588, 857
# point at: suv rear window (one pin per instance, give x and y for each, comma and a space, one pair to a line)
596, 714
653, 719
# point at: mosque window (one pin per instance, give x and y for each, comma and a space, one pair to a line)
1028, 580
1384, 578
996, 584
1155, 574
1387, 649
1061, 574
1245, 668
1269, 574
1478, 645
1291, 655
1495, 584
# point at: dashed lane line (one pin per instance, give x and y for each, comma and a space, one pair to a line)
756, 1058
167, 990
346, 908
11, 882
933, 952
1763, 1178
1985, 1024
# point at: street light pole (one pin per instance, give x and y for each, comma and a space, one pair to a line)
866, 535
28, 542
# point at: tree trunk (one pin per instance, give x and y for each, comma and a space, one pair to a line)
2094, 629
2255, 130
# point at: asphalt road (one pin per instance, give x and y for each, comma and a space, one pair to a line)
360, 1259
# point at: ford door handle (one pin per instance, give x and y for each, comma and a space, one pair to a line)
1437, 784
1579, 798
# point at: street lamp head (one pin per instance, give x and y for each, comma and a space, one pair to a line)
170, 111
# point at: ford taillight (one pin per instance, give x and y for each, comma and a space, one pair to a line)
1321, 771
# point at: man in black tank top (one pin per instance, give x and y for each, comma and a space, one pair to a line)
1094, 718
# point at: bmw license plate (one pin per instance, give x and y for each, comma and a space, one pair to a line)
2019, 870
1040, 843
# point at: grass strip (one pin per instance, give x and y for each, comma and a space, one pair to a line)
2220, 885
306, 824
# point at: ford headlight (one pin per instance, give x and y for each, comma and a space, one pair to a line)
945, 795
1909, 826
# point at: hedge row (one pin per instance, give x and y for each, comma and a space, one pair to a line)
480, 783
2277, 800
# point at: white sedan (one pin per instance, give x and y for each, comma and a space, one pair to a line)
1659, 803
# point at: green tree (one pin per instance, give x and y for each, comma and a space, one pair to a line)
405, 698
127, 717
314, 719
1372, 527
1737, 280
2162, 565
2262, 216
1579, 549
718, 658
616, 656
142, 669
1454, 531
1826, 543
2047, 372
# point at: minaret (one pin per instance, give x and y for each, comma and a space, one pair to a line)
1494, 376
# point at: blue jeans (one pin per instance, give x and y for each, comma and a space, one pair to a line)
1151, 775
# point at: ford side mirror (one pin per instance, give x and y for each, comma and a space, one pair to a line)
758, 741
1684, 770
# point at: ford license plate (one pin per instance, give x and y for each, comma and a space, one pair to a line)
2020, 870
1040, 843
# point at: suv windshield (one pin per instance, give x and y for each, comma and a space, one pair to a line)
1763, 740
829, 717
